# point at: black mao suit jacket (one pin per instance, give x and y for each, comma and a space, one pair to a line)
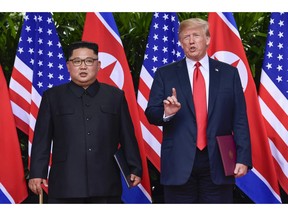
85, 128
226, 114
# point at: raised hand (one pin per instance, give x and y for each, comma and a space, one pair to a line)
171, 104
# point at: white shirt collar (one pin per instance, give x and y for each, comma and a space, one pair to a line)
204, 62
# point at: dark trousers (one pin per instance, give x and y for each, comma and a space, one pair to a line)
199, 188
86, 200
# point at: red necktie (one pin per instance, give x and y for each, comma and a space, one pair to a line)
199, 97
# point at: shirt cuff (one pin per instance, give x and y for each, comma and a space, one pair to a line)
167, 118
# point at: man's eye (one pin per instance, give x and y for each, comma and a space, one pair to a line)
76, 61
89, 61
186, 37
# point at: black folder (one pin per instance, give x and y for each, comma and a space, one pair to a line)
123, 166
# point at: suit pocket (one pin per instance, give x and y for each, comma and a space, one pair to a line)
225, 96
108, 109
59, 156
65, 111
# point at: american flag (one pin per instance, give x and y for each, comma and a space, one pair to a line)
273, 93
163, 47
260, 184
39, 65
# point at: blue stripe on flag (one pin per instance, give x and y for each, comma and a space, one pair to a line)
256, 189
229, 16
3, 198
109, 18
134, 194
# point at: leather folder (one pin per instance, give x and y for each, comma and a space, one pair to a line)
227, 148
123, 166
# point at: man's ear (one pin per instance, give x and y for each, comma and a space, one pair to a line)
208, 39
99, 65
68, 66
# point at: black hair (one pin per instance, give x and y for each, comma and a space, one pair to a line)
81, 44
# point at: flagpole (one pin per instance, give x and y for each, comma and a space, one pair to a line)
41, 197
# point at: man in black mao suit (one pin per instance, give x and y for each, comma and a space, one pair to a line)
86, 120
190, 174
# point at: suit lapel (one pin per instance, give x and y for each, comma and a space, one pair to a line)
185, 84
214, 76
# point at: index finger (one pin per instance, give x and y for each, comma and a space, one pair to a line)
174, 92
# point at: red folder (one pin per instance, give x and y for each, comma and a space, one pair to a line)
227, 149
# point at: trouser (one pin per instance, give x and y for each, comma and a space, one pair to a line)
200, 187
101, 200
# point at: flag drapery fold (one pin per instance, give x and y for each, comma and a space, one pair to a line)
13, 188
273, 93
260, 184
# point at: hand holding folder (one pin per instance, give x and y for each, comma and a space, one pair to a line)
123, 166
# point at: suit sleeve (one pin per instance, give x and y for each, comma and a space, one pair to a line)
155, 108
128, 140
41, 144
240, 124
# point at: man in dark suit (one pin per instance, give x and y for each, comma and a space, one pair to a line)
191, 165
86, 120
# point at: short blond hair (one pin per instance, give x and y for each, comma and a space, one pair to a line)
192, 23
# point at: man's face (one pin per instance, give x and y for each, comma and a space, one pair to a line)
194, 42
83, 66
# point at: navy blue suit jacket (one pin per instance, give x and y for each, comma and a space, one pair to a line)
226, 115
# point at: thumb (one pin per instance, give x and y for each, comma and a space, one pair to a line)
45, 182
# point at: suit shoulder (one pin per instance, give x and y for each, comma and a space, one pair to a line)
110, 88
221, 64
172, 65
56, 89
171, 68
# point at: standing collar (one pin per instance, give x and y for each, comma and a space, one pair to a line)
78, 90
